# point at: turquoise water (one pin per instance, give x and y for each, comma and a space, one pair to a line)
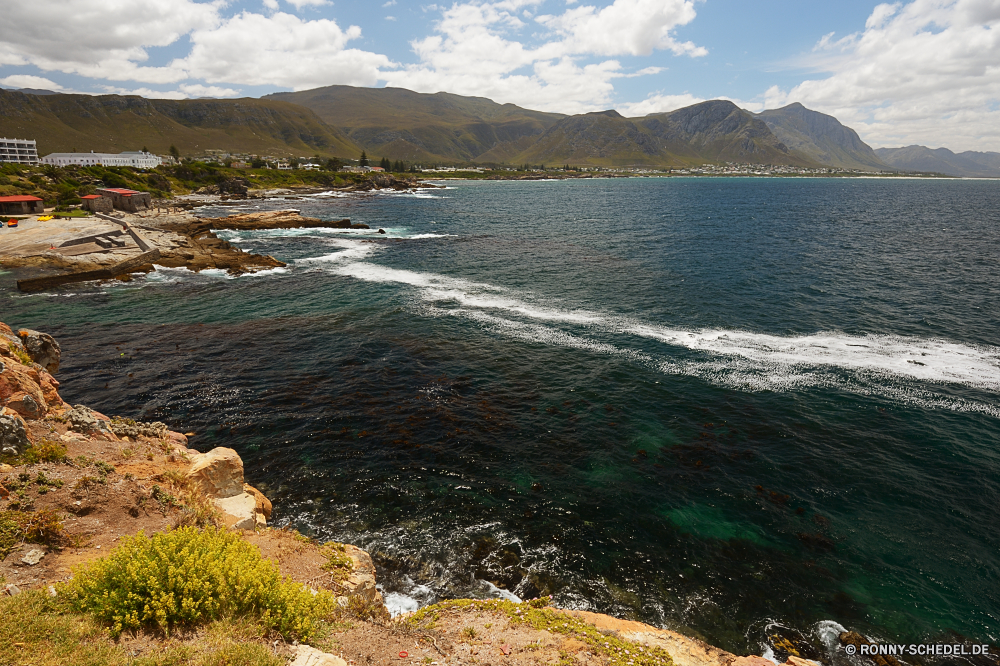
717, 405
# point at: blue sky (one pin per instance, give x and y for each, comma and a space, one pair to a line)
923, 71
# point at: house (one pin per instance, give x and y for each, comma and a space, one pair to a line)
21, 205
133, 158
129, 201
96, 203
20, 151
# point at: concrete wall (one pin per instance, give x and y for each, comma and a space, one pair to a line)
132, 203
101, 205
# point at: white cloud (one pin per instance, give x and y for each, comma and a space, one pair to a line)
925, 72
478, 49
28, 81
299, 4
658, 103
282, 50
626, 27
390, 3
88, 39
182, 92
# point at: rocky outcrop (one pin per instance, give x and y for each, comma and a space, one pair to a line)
26, 387
219, 476
309, 656
361, 581
13, 436
88, 421
273, 219
42, 348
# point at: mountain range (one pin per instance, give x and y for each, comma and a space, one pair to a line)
970, 164
444, 128
113, 123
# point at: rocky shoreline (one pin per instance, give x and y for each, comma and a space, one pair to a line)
83, 249
92, 480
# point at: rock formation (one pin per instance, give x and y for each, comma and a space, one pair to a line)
219, 475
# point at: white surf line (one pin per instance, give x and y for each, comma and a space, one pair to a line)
930, 360
740, 359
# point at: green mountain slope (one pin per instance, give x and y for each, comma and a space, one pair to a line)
969, 164
821, 138
715, 131
402, 124
113, 123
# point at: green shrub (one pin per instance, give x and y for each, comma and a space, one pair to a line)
21, 355
46, 450
16, 527
189, 576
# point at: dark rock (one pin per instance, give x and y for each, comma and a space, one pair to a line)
42, 348
381, 231
234, 186
13, 436
85, 420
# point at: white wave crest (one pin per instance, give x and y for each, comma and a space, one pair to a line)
903, 369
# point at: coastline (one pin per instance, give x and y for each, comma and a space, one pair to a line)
99, 480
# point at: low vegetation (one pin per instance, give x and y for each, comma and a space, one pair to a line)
37, 630
17, 527
190, 576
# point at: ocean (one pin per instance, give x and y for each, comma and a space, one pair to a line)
743, 409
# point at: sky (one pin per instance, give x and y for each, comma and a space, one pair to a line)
919, 72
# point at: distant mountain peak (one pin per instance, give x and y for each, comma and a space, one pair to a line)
610, 113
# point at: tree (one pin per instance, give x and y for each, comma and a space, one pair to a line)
176, 154
145, 149
364, 159
386, 166
333, 164
399, 167
258, 163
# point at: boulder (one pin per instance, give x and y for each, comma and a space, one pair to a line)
306, 655
238, 511
218, 473
33, 556
21, 390
42, 348
86, 420
361, 581
13, 435
799, 661
177, 439
263, 506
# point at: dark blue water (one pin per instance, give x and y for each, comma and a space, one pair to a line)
716, 405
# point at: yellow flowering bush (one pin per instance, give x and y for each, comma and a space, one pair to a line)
191, 575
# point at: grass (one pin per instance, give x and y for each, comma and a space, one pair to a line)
17, 527
21, 355
38, 630
537, 615
191, 576
338, 563
47, 451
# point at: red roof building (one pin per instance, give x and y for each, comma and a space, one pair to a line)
21, 204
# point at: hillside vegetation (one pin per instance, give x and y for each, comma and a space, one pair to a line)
115, 123
418, 127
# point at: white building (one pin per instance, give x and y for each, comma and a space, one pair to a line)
133, 158
21, 151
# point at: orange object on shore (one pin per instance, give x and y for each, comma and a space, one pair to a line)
11, 223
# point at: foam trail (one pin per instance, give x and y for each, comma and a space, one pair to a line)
921, 359
898, 368
438, 288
